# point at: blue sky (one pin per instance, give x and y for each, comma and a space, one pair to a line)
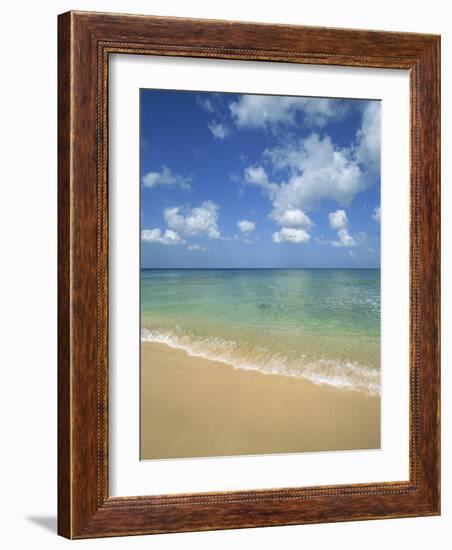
234, 180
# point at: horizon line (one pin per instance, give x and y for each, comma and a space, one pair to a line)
255, 268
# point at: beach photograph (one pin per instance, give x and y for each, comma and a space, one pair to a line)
260, 274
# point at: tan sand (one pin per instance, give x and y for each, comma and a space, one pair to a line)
192, 407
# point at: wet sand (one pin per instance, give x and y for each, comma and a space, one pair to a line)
194, 407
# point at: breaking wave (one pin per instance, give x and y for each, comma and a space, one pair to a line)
347, 375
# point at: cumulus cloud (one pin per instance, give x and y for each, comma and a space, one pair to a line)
219, 131
256, 175
376, 214
169, 237
195, 247
368, 139
246, 226
202, 219
264, 111
291, 235
345, 239
339, 222
306, 172
292, 217
317, 170
166, 178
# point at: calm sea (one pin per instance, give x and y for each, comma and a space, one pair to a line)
318, 324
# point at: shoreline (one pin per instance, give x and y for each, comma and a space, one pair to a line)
334, 374
196, 407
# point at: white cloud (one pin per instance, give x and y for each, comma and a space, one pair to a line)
292, 217
376, 215
205, 103
246, 226
202, 219
368, 139
219, 131
169, 237
256, 175
166, 178
318, 111
195, 247
301, 174
339, 222
263, 111
317, 171
284, 212
345, 239
314, 168
291, 235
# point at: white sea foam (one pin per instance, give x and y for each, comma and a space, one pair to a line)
346, 375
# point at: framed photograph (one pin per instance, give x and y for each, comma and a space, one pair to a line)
249, 264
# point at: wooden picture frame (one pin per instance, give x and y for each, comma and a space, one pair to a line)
85, 42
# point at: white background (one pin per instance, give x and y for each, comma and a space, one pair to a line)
28, 272
128, 475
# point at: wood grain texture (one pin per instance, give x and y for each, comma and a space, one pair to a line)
85, 42
64, 295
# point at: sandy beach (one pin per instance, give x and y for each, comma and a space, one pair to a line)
193, 407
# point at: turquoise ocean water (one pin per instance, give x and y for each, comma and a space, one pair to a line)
319, 324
